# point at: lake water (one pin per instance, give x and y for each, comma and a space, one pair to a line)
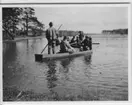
101, 76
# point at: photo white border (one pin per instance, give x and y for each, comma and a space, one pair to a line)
62, 1
76, 102
1, 68
129, 53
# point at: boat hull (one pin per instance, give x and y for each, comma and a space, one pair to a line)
47, 57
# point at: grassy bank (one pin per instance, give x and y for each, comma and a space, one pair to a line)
10, 94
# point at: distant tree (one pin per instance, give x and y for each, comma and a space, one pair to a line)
15, 18
37, 27
116, 31
29, 20
10, 20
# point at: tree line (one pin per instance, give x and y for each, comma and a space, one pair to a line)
67, 33
20, 21
116, 31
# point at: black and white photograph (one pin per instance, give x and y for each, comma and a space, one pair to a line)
65, 52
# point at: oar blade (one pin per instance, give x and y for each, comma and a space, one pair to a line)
38, 57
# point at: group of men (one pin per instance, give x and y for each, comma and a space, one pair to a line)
84, 42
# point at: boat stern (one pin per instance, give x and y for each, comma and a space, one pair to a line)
39, 57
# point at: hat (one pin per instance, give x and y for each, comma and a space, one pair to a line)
79, 32
65, 37
51, 23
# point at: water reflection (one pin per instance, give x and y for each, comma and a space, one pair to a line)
9, 55
66, 62
88, 59
64, 71
52, 78
10, 52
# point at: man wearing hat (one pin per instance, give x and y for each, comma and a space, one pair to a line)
51, 35
80, 38
81, 35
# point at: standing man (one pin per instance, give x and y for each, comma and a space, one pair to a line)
51, 35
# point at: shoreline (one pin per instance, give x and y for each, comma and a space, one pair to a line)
23, 38
16, 39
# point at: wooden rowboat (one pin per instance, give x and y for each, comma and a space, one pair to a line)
47, 57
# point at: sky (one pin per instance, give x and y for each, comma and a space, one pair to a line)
84, 18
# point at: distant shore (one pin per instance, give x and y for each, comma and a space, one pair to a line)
20, 38
23, 38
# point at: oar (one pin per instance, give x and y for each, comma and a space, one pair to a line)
73, 43
47, 44
95, 43
76, 43
59, 27
44, 48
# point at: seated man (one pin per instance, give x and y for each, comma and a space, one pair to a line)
86, 44
65, 46
78, 41
73, 40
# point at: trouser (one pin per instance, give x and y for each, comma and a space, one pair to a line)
51, 47
90, 47
85, 48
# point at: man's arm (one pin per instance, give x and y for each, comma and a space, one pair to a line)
68, 45
57, 33
83, 42
48, 36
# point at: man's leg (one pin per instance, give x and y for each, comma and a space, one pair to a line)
49, 48
53, 47
81, 48
90, 47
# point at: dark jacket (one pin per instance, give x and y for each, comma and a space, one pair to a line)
51, 34
86, 44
